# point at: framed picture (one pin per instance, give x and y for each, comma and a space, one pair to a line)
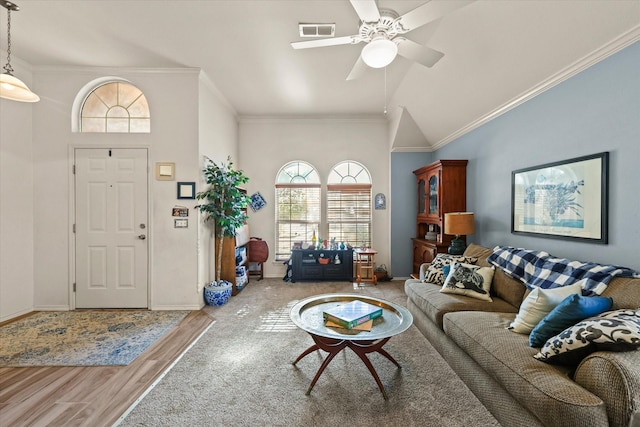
380, 201
186, 190
257, 201
562, 200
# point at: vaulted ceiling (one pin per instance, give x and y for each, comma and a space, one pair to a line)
497, 54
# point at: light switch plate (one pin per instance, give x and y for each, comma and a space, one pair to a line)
181, 223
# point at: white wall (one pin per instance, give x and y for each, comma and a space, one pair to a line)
173, 100
16, 203
267, 144
218, 140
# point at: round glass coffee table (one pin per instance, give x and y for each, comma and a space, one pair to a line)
307, 315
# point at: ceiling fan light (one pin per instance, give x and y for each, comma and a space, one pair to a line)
14, 89
379, 53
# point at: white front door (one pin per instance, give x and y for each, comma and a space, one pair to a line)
111, 228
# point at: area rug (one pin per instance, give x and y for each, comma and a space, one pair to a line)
83, 338
239, 373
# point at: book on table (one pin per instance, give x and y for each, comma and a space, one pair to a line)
352, 313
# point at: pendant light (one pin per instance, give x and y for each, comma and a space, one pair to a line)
12, 87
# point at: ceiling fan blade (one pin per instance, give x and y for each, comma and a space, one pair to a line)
416, 52
358, 69
429, 12
367, 10
326, 42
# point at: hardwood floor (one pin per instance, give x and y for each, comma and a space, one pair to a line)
90, 396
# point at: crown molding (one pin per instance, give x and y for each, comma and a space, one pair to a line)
111, 70
608, 49
209, 84
412, 150
345, 118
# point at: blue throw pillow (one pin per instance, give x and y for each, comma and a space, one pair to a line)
446, 269
571, 310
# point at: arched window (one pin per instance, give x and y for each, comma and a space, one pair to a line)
298, 206
349, 204
115, 107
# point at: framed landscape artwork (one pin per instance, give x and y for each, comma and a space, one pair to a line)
562, 200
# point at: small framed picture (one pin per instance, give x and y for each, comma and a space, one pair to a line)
186, 190
165, 171
380, 201
257, 201
181, 211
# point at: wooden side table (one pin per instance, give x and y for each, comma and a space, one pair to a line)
365, 260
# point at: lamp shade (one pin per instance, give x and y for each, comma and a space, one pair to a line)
379, 53
14, 89
459, 223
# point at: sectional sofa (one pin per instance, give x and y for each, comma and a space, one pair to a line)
498, 365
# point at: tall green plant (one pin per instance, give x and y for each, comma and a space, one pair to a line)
225, 202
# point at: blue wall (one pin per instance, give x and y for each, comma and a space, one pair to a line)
404, 205
596, 110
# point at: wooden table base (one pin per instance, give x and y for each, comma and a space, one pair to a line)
361, 348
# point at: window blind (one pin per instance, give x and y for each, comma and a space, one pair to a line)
297, 215
349, 213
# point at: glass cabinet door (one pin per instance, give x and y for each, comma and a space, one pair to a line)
433, 195
422, 195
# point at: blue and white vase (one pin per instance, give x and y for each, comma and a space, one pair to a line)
218, 293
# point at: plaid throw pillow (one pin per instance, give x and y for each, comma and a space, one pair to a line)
434, 273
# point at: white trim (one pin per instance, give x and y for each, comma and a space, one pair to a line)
346, 118
190, 307
16, 314
72, 219
51, 308
580, 65
428, 149
115, 70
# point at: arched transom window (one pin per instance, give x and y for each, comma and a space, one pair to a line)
298, 206
349, 203
115, 107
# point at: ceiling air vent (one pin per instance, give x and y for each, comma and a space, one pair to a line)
317, 30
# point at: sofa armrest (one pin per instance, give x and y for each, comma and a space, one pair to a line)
423, 270
615, 378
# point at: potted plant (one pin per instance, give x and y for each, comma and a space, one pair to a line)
224, 207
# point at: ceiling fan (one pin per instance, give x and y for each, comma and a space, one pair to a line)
380, 29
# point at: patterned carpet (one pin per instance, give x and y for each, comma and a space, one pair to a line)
83, 338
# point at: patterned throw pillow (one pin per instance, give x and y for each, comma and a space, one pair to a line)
470, 280
434, 273
617, 330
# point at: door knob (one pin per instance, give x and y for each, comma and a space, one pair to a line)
142, 237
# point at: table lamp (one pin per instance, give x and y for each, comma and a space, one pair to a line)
458, 224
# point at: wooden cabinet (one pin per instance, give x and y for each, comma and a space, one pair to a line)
441, 189
305, 265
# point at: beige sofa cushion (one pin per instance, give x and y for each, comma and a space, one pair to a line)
625, 292
435, 304
502, 285
546, 391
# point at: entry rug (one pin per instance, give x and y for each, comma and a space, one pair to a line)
83, 338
